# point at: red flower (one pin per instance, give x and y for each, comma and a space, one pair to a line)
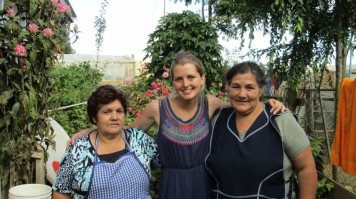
148, 94
221, 94
165, 91
137, 114
155, 86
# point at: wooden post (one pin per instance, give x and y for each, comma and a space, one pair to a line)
40, 165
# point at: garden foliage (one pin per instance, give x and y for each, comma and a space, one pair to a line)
73, 85
31, 38
185, 31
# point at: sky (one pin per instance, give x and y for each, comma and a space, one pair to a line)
128, 24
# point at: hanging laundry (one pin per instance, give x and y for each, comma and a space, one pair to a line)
343, 152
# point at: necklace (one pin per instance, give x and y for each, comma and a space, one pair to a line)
242, 134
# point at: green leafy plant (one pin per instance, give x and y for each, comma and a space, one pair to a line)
73, 85
324, 187
31, 35
185, 31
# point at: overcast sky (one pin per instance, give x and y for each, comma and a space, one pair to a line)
128, 24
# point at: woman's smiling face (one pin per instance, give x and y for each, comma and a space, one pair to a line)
187, 81
244, 93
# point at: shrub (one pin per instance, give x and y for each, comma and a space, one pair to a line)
31, 36
73, 85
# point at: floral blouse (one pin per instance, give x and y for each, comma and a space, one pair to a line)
76, 166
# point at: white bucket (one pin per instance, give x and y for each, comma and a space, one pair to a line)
30, 191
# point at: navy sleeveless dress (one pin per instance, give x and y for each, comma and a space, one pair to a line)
183, 146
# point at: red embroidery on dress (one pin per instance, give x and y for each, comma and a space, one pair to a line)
186, 128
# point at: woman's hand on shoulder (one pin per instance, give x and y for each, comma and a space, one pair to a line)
276, 106
80, 134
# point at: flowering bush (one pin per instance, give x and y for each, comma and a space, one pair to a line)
32, 34
141, 90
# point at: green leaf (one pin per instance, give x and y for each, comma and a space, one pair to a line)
5, 96
15, 108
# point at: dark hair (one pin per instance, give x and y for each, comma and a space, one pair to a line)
246, 67
184, 57
103, 95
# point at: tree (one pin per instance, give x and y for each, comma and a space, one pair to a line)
185, 31
320, 30
100, 26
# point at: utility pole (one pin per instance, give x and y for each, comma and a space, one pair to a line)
2, 4
164, 7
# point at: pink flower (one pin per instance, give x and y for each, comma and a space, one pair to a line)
148, 94
165, 91
128, 79
20, 50
132, 108
155, 86
54, 2
32, 27
11, 12
61, 7
221, 95
75, 27
137, 114
47, 32
165, 74
132, 94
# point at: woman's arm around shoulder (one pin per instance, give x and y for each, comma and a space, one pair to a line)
215, 104
148, 117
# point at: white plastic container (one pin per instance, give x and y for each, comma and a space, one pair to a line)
30, 191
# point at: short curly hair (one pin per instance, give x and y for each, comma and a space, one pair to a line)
103, 95
246, 67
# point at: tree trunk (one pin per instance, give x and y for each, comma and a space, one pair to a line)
339, 67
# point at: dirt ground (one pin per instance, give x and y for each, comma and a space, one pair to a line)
345, 179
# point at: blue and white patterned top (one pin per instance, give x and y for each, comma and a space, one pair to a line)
77, 164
